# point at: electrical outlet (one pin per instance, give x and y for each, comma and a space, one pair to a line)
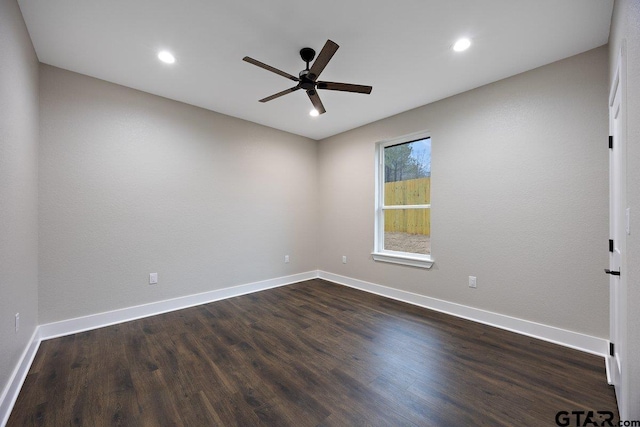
472, 282
153, 278
344, 259
286, 259
17, 322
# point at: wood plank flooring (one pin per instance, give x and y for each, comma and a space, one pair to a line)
309, 354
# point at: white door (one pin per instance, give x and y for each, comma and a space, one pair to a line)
618, 229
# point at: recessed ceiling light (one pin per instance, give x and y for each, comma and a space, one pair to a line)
462, 44
314, 113
166, 57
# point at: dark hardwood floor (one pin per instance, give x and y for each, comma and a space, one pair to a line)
308, 354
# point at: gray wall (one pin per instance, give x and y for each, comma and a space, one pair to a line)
131, 183
519, 197
626, 25
18, 187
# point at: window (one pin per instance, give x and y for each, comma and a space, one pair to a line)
403, 201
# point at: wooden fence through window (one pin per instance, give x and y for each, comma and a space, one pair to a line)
408, 192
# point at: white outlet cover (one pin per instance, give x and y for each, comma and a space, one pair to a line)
153, 278
472, 282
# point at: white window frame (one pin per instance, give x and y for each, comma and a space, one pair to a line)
379, 253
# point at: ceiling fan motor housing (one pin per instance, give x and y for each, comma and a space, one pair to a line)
306, 80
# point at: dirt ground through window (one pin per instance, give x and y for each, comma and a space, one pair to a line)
405, 242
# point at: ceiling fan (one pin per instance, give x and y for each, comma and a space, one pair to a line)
308, 78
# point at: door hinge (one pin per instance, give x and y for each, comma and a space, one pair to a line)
610, 141
610, 245
611, 349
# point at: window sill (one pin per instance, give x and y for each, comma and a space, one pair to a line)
424, 261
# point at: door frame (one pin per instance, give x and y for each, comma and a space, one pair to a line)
617, 366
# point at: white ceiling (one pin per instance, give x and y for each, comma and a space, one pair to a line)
402, 48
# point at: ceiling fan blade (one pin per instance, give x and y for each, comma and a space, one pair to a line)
315, 100
323, 59
344, 87
279, 94
270, 68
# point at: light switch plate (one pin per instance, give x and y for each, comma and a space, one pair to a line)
627, 214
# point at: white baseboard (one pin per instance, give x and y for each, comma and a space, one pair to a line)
19, 374
575, 340
94, 321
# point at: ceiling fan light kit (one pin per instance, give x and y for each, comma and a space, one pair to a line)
308, 78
